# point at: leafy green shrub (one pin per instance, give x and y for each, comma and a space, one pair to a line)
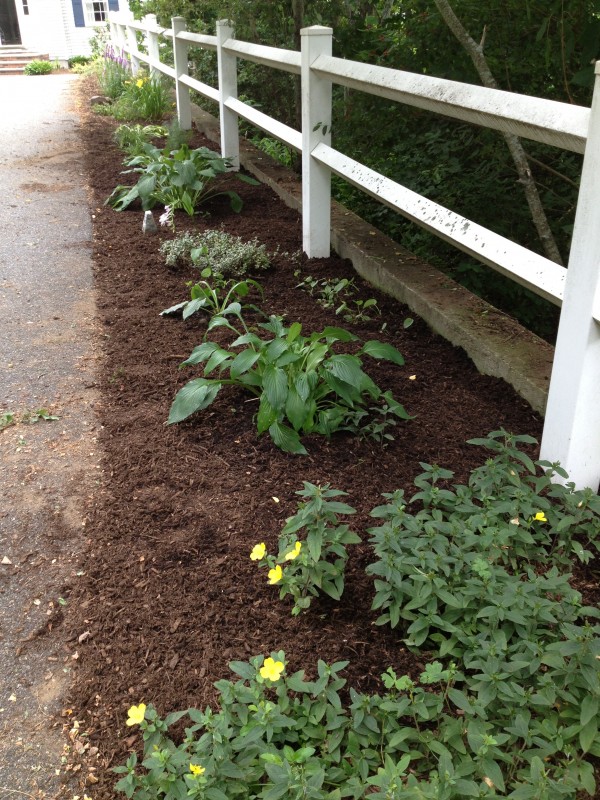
132, 139
178, 179
304, 568
278, 736
37, 67
298, 379
143, 97
78, 61
218, 251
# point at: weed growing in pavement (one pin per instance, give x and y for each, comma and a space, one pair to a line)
30, 417
177, 179
6, 420
302, 384
316, 563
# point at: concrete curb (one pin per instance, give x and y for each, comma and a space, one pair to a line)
496, 344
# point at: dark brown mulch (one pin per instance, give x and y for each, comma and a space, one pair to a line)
169, 595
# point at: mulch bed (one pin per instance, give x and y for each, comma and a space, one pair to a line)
169, 594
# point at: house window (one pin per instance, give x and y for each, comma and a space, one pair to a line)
96, 11
25, 7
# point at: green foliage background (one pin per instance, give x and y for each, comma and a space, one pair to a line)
533, 47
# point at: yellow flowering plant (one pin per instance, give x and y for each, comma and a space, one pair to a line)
316, 564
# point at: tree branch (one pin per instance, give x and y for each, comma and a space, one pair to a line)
519, 157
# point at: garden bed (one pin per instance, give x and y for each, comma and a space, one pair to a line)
169, 595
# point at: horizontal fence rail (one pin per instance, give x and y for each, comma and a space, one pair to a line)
572, 429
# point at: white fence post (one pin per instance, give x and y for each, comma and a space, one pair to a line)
133, 48
572, 427
152, 42
316, 128
227, 68
180, 52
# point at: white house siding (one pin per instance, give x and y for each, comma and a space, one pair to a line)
50, 28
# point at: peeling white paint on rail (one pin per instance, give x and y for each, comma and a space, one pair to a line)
284, 60
537, 273
559, 124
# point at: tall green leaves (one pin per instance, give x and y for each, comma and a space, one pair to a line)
303, 385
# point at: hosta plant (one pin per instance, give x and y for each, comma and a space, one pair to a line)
214, 295
302, 384
312, 548
177, 179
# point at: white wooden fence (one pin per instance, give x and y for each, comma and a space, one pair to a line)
572, 424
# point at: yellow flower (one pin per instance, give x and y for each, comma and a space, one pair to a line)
136, 714
197, 770
258, 552
540, 517
139, 83
271, 669
275, 575
294, 553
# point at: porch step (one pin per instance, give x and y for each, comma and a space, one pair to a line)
13, 58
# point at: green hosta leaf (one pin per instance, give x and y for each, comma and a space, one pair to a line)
380, 350
295, 409
286, 438
173, 309
201, 353
275, 349
315, 357
218, 358
294, 332
145, 188
336, 335
235, 201
192, 306
247, 179
243, 362
275, 386
194, 396
267, 415
346, 368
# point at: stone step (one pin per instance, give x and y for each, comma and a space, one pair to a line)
13, 60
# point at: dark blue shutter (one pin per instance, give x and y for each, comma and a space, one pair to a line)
78, 13
113, 5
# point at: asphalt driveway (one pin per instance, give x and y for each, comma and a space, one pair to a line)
49, 467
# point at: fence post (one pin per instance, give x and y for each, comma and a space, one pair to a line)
152, 42
572, 426
227, 69
182, 92
133, 48
316, 128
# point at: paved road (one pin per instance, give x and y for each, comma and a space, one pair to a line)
48, 468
